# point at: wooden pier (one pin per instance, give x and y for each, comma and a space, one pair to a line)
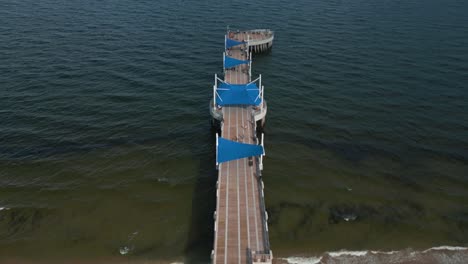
241, 230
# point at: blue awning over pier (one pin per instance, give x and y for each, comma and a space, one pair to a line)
231, 150
231, 62
238, 94
232, 43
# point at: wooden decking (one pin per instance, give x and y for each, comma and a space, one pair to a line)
240, 226
248, 35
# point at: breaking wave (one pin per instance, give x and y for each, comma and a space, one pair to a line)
441, 254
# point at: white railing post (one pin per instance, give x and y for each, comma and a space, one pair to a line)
217, 164
250, 65
261, 163
260, 81
225, 42
249, 58
215, 86
214, 98
224, 61
263, 96
263, 145
261, 156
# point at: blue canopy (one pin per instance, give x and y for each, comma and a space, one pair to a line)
238, 94
232, 43
230, 150
231, 62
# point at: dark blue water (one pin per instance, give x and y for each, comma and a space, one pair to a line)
105, 141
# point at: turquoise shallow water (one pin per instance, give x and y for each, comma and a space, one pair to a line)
105, 142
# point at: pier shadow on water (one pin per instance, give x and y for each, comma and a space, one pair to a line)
201, 230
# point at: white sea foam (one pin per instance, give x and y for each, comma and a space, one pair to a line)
4, 208
347, 253
303, 260
163, 179
384, 252
446, 248
124, 250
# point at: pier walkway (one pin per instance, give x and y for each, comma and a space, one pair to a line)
241, 230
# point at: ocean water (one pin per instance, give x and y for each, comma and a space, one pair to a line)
106, 152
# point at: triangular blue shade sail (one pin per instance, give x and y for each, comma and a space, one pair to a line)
232, 43
238, 94
230, 150
231, 62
